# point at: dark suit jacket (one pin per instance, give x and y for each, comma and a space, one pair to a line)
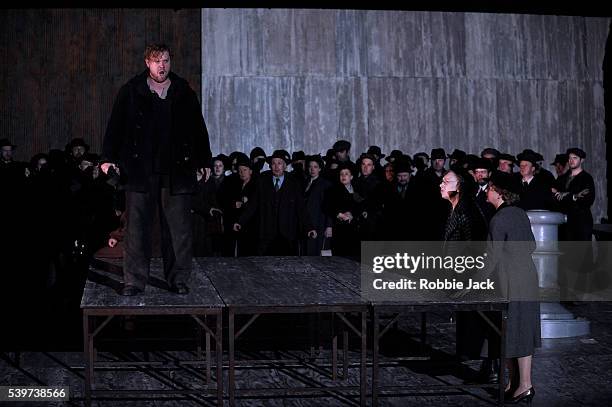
536, 195
316, 203
129, 134
291, 221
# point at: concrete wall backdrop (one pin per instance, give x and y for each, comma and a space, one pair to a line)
300, 79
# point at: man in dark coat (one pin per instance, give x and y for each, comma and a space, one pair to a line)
434, 208
400, 217
481, 170
157, 136
315, 198
279, 205
369, 187
535, 190
575, 191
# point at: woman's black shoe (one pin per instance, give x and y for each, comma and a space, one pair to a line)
525, 396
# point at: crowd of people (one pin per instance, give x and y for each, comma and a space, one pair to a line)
291, 204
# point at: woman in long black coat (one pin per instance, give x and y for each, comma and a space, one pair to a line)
510, 245
345, 205
466, 222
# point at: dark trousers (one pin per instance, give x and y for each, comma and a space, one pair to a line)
176, 234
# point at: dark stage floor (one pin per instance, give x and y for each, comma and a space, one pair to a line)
567, 372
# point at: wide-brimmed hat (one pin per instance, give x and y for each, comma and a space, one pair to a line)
282, 154
528, 156
457, 154
402, 164
298, 155
6, 142
375, 150
341, 145
438, 153
257, 152
560, 159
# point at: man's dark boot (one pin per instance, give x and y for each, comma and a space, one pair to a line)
489, 371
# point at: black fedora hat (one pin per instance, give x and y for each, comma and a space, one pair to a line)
282, 154
375, 150
341, 145
6, 143
437, 153
528, 156
560, 159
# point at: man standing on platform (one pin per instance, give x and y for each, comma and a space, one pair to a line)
157, 139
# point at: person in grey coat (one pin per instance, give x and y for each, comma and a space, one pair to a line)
510, 244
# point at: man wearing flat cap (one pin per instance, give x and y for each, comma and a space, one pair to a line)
535, 192
279, 206
575, 192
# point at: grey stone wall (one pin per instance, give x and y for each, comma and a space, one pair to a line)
300, 79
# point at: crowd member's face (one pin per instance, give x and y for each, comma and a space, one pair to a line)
403, 178
298, 164
278, 166
560, 168
574, 161
159, 66
526, 168
342, 155
78, 151
449, 186
218, 168
438, 164
42, 162
7, 153
481, 176
244, 173
313, 169
367, 167
389, 173
345, 177
505, 166
493, 196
